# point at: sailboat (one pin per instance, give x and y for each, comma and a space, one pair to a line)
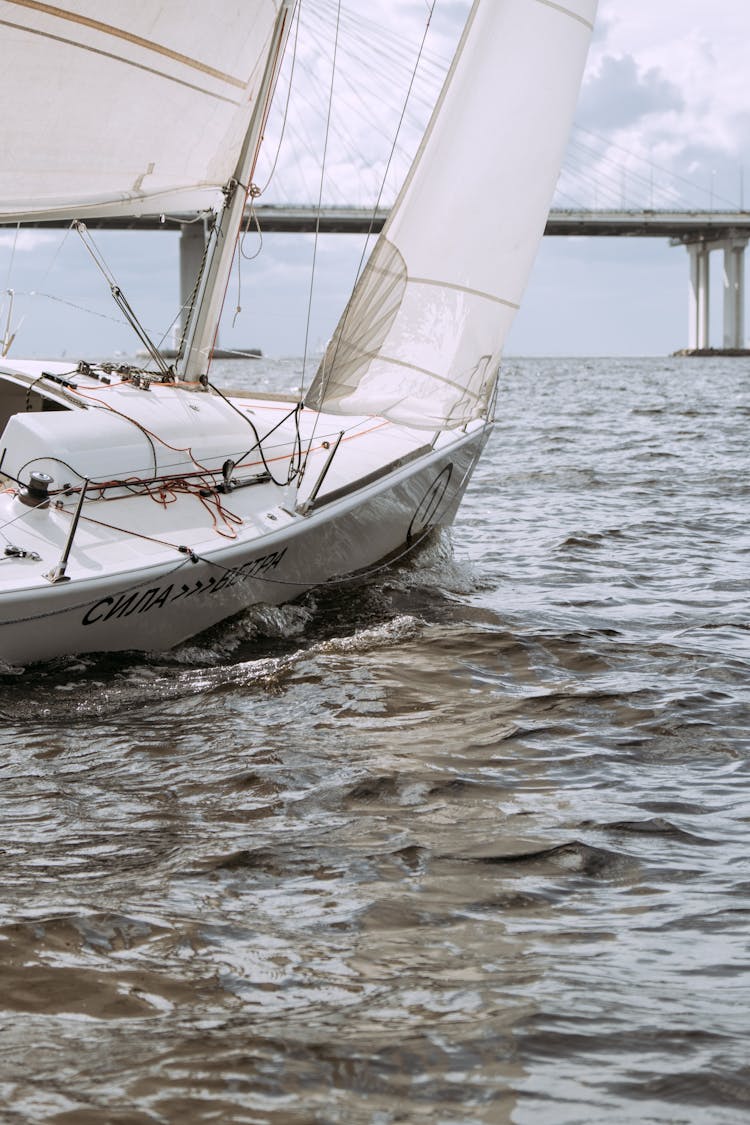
141, 507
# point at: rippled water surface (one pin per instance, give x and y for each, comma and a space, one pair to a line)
466, 844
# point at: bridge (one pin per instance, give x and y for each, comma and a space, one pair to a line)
681, 226
701, 232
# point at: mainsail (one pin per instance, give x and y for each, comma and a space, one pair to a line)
421, 337
126, 107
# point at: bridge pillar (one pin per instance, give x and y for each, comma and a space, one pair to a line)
734, 292
699, 307
192, 247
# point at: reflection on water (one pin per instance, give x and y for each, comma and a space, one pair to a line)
466, 844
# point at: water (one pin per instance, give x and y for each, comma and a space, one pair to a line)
465, 845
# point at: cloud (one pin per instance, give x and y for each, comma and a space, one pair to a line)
27, 241
381, 98
621, 94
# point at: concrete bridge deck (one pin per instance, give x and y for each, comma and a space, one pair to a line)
682, 226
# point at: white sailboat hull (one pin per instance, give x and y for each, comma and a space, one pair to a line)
127, 588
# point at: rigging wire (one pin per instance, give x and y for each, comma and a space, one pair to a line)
189, 305
285, 116
255, 191
320, 197
252, 194
407, 98
343, 580
50, 266
372, 72
325, 368
70, 304
121, 300
163, 333
373, 97
192, 558
12, 256
296, 456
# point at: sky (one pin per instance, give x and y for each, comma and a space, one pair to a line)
663, 121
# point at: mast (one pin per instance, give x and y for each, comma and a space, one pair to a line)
203, 320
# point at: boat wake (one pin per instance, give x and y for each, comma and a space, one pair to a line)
80, 692
263, 648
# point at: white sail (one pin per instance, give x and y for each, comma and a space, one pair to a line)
421, 338
123, 107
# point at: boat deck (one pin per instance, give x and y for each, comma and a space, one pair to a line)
151, 515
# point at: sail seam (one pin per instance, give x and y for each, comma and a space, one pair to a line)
136, 40
462, 289
380, 357
567, 12
116, 58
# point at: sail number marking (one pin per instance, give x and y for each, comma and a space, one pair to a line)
428, 506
